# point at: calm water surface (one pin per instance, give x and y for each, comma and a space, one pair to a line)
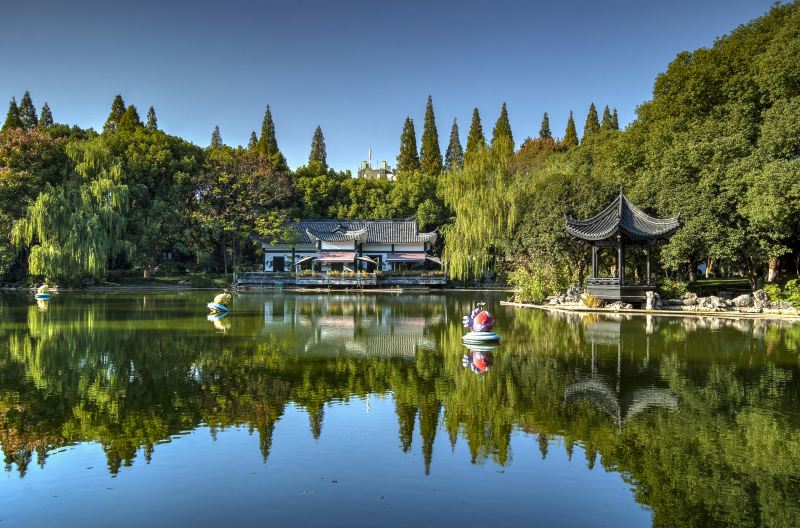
366, 410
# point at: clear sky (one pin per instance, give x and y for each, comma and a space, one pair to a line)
355, 68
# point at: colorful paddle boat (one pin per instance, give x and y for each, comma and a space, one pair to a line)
42, 293
220, 303
480, 322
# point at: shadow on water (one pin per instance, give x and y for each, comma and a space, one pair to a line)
700, 415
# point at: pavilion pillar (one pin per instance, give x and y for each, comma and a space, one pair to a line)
594, 261
620, 260
649, 250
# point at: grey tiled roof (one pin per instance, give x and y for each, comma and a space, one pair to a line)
621, 216
377, 231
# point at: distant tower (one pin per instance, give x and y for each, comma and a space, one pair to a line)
369, 157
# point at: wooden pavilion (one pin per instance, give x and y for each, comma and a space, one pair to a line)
616, 227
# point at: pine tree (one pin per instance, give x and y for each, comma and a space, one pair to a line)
268, 144
253, 143
476, 141
544, 130
454, 158
152, 120
45, 117
571, 135
408, 160
318, 153
117, 109
592, 125
12, 118
430, 153
608, 122
615, 120
130, 120
502, 128
216, 138
27, 112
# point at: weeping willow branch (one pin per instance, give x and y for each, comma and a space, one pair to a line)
482, 197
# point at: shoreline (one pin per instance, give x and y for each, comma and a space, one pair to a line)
658, 313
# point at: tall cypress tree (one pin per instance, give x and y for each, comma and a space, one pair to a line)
476, 141
152, 120
12, 117
608, 122
319, 153
502, 128
571, 135
253, 143
430, 154
117, 109
544, 130
268, 143
592, 125
454, 158
130, 120
45, 117
27, 112
408, 159
216, 138
615, 120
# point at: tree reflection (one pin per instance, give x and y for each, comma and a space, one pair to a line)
699, 415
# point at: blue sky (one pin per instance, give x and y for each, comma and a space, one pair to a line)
355, 68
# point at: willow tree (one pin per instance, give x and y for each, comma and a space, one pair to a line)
482, 197
74, 229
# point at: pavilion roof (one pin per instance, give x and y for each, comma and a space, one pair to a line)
622, 217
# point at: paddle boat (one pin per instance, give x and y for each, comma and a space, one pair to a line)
220, 303
42, 293
480, 322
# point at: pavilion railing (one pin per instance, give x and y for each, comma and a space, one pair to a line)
614, 281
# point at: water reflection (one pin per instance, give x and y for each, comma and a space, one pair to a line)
700, 415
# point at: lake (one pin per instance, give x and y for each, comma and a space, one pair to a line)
333, 409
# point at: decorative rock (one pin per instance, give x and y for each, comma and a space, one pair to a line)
760, 299
712, 303
743, 301
653, 301
573, 294
781, 305
619, 305
689, 299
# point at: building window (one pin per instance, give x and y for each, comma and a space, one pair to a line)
278, 264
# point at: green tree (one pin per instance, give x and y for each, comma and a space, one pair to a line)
318, 152
27, 112
252, 144
592, 125
454, 157
130, 120
114, 117
502, 128
408, 159
45, 118
216, 138
430, 153
74, 229
152, 120
268, 142
12, 117
476, 141
608, 120
571, 135
544, 130
615, 120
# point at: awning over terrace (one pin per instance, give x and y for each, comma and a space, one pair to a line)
367, 260
406, 257
336, 256
304, 260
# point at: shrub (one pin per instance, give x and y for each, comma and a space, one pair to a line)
670, 289
591, 301
773, 291
534, 286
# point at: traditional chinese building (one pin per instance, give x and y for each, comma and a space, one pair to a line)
619, 226
344, 245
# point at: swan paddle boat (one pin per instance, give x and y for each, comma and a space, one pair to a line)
220, 303
480, 322
42, 293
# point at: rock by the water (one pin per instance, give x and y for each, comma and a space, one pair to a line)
619, 305
573, 294
711, 303
653, 301
689, 299
781, 305
743, 301
760, 299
